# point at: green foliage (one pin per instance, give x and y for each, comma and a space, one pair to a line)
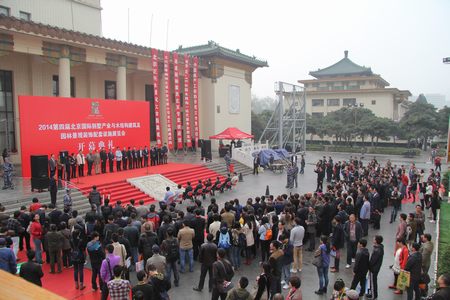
259, 122
444, 239
420, 121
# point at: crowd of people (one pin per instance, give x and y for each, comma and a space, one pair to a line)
99, 161
163, 243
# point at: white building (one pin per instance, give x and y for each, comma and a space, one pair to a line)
347, 84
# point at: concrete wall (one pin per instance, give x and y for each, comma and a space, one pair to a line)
225, 119
384, 103
83, 16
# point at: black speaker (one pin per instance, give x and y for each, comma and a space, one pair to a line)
63, 155
39, 172
206, 149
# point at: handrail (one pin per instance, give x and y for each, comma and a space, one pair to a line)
244, 154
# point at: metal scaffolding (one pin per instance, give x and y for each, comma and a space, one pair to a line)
287, 125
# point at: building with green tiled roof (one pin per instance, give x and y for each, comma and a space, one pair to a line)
348, 84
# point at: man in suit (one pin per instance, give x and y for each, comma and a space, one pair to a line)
139, 157
124, 159
53, 189
111, 160
198, 224
153, 156
134, 154
207, 256
130, 158
103, 158
52, 165
361, 267
145, 154
256, 162
164, 151
414, 267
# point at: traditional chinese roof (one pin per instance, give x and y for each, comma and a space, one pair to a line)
213, 49
344, 67
18, 25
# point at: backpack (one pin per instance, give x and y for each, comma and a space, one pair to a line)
172, 252
155, 221
268, 235
224, 241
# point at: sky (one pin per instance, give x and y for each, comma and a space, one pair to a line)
402, 40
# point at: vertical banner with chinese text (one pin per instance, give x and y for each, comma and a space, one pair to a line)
156, 97
187, 103
168, 99
176, 82
195, 95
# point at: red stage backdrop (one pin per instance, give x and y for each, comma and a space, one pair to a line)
53, 124
187, 103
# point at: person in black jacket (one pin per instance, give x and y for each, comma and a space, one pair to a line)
31, 271
337, 242
443, 289
222, 271
361, 267
414, 266
207, 256
353, 232
198, 224
376, 260
96, 255
103, 158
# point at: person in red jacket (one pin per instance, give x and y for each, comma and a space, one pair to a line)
35, 205
36, 236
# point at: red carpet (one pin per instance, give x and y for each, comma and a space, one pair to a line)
118, 188
63, 284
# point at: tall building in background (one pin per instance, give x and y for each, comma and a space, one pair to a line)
347, 84
77, 15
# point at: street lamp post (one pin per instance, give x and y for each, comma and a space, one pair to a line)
353, 107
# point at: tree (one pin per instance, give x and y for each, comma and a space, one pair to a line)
420, 121
259, 122
442, 121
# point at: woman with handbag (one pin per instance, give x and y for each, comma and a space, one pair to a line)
78, 258
322, 262
400, 259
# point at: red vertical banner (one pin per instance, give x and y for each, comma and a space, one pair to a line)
156, 96
187, 103
168, 99
176, 82
195, 95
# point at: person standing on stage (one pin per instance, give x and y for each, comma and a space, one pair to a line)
118, 159
67, 168
124, 158
53, 189
103, 158
153, 156
164, 151
140, 155
52, 165
90, 162
160, 154
111, 160
97, 159
145, 155
73, 165
130, 158
135, 158
80, 163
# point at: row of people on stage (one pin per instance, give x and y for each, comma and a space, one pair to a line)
97, 161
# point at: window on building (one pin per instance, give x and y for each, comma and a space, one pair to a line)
4, 11
110, 89
55, 86
7, 124
315, 84
374, 102
317, 102
353, 87
333, 102
317, 114
25, 16
349, 101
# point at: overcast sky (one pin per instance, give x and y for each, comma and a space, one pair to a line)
402, 40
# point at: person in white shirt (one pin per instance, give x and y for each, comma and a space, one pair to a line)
297, 235
214, 227
80, 163
169, 196
118, 159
